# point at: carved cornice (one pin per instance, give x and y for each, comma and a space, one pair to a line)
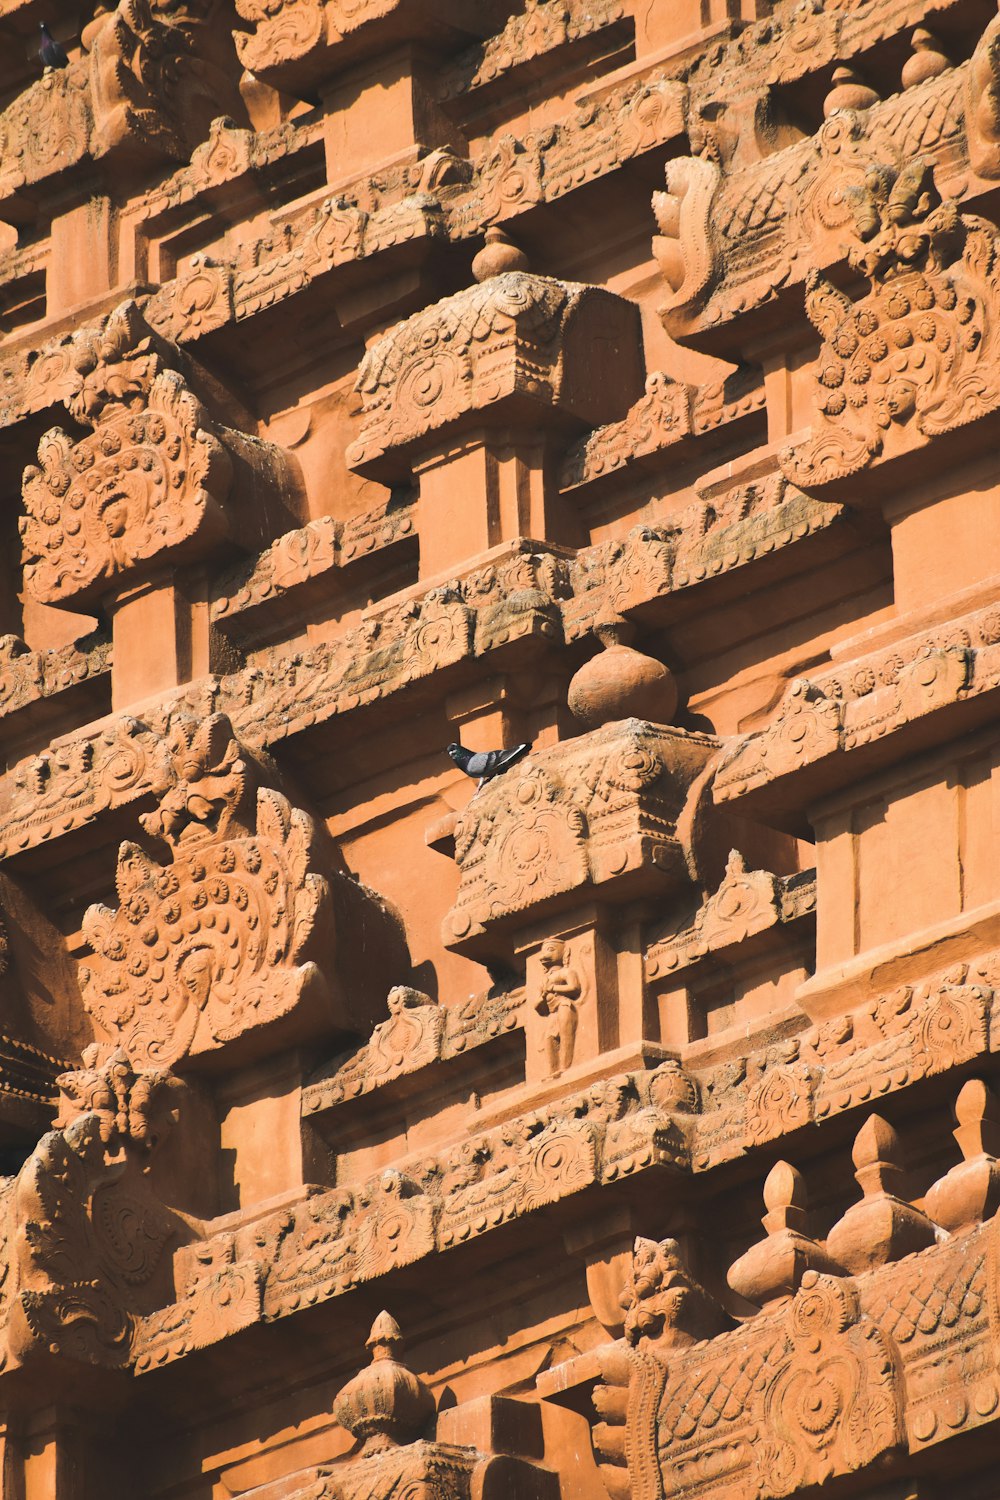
524, 598
321, 552
332, 1241
892, 1041
417, 1034
747, 903
440, 196
28, 679
865, 707
542, 28
296, 43
335, 1240
669, 414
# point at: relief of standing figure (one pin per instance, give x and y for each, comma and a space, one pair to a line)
558, 999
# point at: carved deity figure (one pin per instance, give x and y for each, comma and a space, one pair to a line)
558, 1001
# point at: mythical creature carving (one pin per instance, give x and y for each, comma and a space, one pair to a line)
916, 356
686, 248
238, 933
160, 72
90, 1235
664, 1307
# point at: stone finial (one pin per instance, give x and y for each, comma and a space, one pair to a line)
499, 254
927, 60
385, 1404
773, 1269
621, 683
970, 1192
849, 91
883, 1226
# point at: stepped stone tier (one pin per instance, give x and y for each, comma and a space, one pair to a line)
611, 382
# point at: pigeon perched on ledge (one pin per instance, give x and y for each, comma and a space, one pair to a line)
486, 764
50, 53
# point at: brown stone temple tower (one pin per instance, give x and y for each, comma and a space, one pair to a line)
614, 379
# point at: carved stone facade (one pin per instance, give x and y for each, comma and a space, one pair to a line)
500, 701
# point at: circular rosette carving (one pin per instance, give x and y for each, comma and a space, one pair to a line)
431, 385
808, 727
780, 1102
832, 1406
148, 479
822, 1308
132, 1232
828, 203
203, 950
536, 851
950, 1028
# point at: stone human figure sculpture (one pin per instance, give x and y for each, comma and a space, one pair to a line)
558, 998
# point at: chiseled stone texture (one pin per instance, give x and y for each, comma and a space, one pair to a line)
499, 687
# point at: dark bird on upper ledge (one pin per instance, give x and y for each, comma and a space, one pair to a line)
50, 53
485, 764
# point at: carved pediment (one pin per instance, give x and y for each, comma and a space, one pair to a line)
239, 933
157, 73
156, 479
915, 356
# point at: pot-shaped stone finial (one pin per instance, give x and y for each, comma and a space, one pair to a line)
621, 683
927, 60
499, 254
849, 91
385, 1404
